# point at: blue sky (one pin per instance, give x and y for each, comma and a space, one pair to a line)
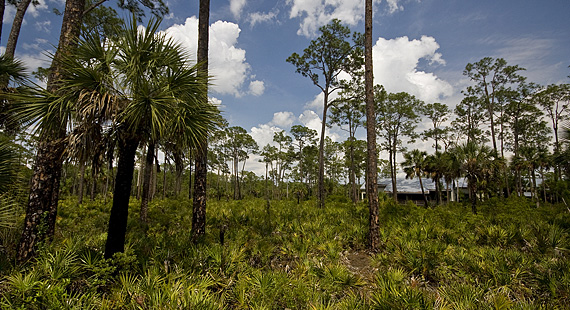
420, 47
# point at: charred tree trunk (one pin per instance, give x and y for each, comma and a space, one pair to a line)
120, 210
199, 203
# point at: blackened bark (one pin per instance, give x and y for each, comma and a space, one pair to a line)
120, 210
201, 171
179, 166
41, 210
146, 182
199, 203
372, 169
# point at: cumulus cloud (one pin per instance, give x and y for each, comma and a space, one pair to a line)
263, 134
227, 63
258, 17
35, 10
316, 13
283, 119
256, 88
311, 119
236, 7
396, 62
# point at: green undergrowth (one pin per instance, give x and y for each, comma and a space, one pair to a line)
511, 255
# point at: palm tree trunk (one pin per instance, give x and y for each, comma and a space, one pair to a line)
44, 192
423, 192
120, 210
146, 182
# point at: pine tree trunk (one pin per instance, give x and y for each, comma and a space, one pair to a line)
16, 26
321, 185
41, 211
2, 9
120, 210
140, 173
179, 165
81, 181
146, 182
199, 202
372, 168
201, 173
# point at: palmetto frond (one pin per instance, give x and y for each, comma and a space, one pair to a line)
12, 69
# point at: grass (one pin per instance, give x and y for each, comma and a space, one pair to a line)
509, 256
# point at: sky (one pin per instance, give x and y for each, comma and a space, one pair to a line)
420, 46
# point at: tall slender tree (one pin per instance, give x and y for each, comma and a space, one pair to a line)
398, 117
491, 77
201, 169
348, 111
336, 50
372, 168
41, 211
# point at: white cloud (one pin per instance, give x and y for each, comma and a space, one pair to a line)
227, 63
393, 6
217, 102
236, 7
395, 67
34, 10
316, 13
312, 120
263, 134
256, 88
44, 26
258, 17
283, 119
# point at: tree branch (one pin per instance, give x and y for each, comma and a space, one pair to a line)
91, 8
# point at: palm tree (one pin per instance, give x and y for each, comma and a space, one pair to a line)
10, 70
143, 86
478, 165
414, 165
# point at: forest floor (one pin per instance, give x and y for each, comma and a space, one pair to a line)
511, 255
